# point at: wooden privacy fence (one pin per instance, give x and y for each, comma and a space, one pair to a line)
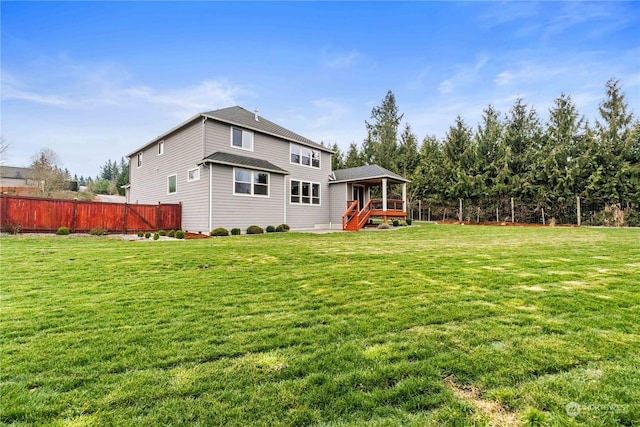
34, 214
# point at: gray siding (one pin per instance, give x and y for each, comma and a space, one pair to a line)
276, 151
182, 151
188, 145
231, 210
338, 202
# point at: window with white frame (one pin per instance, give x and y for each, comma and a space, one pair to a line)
305, 193
304, 156
250, 183
193, 174
242, 139
139, 159
160, 148
172, 184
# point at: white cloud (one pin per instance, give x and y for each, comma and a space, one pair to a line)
341, 59
465, 75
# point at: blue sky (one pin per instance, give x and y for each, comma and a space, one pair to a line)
94, 81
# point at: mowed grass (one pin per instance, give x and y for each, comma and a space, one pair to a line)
427, 325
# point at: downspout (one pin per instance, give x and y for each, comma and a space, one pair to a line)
210, 198
285, 199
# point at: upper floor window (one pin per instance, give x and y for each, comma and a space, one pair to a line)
193, 174
250, 183
140, 159
304, 156
160, 148
242, 139
172, 184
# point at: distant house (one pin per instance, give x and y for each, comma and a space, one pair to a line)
233, 168
18, 181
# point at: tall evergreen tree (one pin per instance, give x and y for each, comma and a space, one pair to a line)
487, 141
381, 145
337, 159
354, 157
430, 173
523, 135
459, 155
615, 142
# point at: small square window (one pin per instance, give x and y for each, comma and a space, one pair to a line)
139, 159
193, 174
242, 139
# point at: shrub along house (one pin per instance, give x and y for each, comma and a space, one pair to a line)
232, 168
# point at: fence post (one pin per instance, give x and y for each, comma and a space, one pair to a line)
3, 214
74, 220
497, 214
460, 215
124, 220
420, 210
578, 211
429, 214
478, 218
513, 214
543, 222
444, 214
158, 216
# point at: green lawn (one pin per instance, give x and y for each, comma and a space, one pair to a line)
426, 325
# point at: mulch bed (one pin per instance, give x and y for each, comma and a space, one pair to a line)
193, 236
503, 224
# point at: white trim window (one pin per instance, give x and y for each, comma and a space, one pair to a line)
139, 158
172, 184
242, 139
304, 193
299, 155
250, 183
193, 174
160, 148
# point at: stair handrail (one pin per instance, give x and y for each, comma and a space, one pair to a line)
349, 214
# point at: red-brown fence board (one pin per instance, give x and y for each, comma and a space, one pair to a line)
33, 214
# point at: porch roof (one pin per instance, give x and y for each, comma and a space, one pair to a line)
366, 173
229, 159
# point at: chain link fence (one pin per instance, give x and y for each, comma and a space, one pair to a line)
590, 212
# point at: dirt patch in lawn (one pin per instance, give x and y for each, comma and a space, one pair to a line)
498, 415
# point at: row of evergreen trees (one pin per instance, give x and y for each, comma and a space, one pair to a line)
515, 155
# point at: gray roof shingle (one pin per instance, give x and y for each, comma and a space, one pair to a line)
363, 173
228, 159
244, 118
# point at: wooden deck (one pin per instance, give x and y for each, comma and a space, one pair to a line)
354, 218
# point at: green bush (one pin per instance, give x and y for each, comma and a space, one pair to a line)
396, 223
179, 234
271, 229
282, 228
162, 233
147, 235
156, 236
220, 231
63, 231
254, 229
171, 233
98, 232
235, 231
409, 221
140, 234
632, 219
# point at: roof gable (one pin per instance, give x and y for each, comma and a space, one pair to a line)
366, 172
240, 117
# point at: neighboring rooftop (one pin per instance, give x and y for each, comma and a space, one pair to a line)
15, 172
365, 173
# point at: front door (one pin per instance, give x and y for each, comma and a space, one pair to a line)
358, 194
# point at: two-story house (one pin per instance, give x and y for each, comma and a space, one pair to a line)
233, 168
